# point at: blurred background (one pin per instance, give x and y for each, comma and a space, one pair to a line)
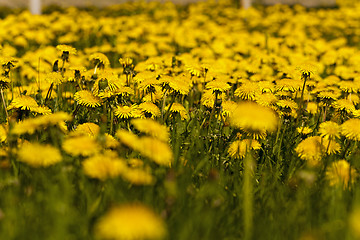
64, 3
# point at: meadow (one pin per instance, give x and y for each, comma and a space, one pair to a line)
162, 121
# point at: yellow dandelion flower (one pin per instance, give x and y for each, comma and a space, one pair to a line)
155, 150
103, 166
124, 112
239, 148
307, 68
344, 105
128, 138
130, 222
127, 62
66, 49
248, 90
3, 133
254, 118
148, 85
123, 91
218, 86
110, 141
351, 130
39, 155
288, 84
304, 130
178, 108
100, 59
312, 108
310, 149
4, 82
54, 78
328, 96
228, 107
208, 98
179, 84
330, 146
31, 125
266, 99
135, 163
23, 102
152, 128
150, 109
138, 176
86, 98
44, 110
90, 129
340, 173
81, 146
329, 130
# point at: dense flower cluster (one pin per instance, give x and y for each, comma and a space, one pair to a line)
138, 90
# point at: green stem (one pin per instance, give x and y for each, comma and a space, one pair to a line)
163, 105
4, 103
248, 195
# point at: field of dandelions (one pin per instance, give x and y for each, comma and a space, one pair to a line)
201, 121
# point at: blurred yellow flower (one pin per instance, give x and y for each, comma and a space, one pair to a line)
254, 118
103, 166
152, 128
239, 148
81, 146
350, 129
340, 173
130, 222
39, 155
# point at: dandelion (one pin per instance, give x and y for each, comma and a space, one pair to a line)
103, 166
248, 90
152, 128
306, 69
266, 99
340, 173
3, 133
39, 155
89, 129
135, 163
23, 102
66, 49
351, 129
179, 84
124, 112
128, 139
304, 130
178, 108
155, 150
130, 222
228, 107
99, 60
287, 84
86, 98
150, 109
4, 82
31, 125
344, 105
138, 177
239, 148
217, 86
330, 146
254, 118
310, 150
329, 130
81, 146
